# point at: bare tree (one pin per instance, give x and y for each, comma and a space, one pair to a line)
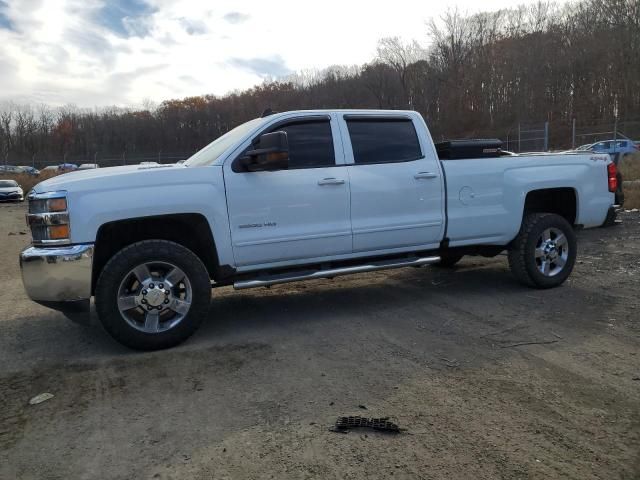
400, 56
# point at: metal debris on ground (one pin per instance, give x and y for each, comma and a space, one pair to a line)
344, 424
43, 397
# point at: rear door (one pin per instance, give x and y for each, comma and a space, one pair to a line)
297, 214
396, 183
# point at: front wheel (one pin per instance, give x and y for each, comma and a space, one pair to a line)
544, 252
153, 294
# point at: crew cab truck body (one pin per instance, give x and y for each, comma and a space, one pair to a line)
295, 196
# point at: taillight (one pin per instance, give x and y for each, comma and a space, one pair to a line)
612, 174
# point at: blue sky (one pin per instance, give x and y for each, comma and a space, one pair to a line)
5, 22
128, 52
122, 16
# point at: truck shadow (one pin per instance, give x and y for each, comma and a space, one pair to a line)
481, 292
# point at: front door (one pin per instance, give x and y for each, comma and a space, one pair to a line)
297, 214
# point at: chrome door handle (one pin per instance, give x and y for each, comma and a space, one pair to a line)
420, 175
330, 181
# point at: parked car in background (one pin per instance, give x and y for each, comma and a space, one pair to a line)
88, 166
30, 170
10, 169
50, 168
614, 146
11, 191
149, 163
67, 167
584, 147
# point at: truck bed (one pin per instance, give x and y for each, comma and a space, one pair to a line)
485, 196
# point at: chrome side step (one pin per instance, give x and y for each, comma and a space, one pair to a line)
266, 280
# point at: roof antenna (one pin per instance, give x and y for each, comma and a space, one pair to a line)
267, 112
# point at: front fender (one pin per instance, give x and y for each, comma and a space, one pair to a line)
163, 192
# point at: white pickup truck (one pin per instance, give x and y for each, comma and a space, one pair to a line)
295, 196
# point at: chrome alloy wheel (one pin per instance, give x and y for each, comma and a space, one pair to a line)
552, 251
154, 297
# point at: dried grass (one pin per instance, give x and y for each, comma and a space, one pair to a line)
631, 196
629, 167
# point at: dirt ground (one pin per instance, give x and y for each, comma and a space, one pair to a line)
254, 392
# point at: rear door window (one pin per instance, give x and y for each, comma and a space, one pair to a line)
383, 140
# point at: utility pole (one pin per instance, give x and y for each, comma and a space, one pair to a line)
519, 139
546, 136
573, 134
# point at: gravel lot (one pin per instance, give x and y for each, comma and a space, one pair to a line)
253, 393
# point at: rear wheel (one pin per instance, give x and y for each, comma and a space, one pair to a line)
153, 294
544, 252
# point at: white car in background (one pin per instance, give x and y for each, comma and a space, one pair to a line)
11, 191
88, 166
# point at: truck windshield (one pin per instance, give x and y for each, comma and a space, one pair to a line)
208, 154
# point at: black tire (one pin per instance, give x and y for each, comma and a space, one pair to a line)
522, 254
619, 195
610, 219
114, 274
448, 260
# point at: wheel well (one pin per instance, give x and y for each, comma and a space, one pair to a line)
190, 230
561, 201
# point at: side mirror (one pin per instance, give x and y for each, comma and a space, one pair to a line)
270, 152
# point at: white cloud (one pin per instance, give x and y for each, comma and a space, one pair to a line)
104, 52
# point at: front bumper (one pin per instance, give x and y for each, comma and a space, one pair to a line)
57, 274
11, 197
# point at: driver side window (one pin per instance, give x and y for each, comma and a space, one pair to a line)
310, 144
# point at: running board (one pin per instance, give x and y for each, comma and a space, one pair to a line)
267, 280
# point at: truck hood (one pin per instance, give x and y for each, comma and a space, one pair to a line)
115, 178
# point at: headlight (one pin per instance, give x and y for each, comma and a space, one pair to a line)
48, 218
48, 202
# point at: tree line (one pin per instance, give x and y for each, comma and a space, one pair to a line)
479, 76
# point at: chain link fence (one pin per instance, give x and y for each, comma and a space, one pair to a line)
528, 138
555, 136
